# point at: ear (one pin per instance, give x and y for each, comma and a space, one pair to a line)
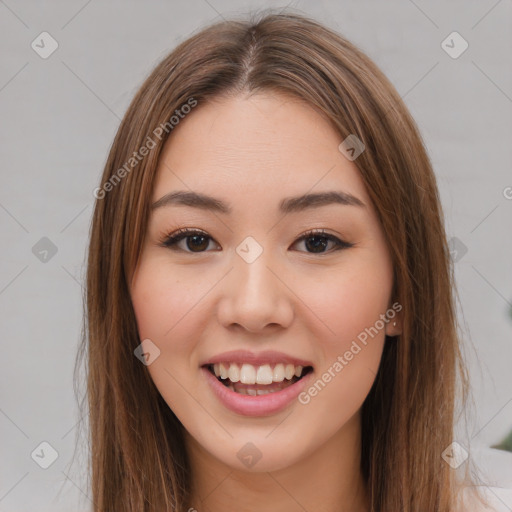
394, 326
395, 319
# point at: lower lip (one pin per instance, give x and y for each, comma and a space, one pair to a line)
262, 405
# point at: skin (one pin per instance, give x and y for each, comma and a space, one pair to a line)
251, 152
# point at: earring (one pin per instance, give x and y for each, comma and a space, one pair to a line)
394, 324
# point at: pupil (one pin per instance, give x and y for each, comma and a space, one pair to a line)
317, 245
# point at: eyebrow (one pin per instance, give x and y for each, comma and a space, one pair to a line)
287, 205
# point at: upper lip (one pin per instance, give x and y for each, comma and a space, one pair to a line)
256, 359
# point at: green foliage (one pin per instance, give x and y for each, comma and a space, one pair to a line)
506, 444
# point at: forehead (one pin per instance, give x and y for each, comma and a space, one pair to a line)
266, 146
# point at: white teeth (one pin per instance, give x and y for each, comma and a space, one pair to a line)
245, 391
249, 374
289, 371
223, 369
234, 373
278, 373
264, 375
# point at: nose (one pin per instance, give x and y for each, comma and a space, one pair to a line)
254, 297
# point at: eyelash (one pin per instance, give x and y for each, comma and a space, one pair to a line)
171, 240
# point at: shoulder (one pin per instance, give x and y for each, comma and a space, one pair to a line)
494, 492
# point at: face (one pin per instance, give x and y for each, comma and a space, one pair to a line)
254, 284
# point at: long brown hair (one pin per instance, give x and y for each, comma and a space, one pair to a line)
138, 460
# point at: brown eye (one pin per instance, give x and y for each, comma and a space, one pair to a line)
196, 241
317, 241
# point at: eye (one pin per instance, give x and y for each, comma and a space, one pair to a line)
318, 240
196, 241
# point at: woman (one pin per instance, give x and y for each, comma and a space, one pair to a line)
270, 316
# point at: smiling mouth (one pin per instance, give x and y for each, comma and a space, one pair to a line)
246, 379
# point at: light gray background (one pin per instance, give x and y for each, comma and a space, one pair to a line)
59, 116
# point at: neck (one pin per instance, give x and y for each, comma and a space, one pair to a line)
327, 480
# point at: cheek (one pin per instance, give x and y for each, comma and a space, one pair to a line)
348, 301
165, 301
350, 304
167, 307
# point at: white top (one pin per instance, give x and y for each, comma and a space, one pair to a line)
496, 472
